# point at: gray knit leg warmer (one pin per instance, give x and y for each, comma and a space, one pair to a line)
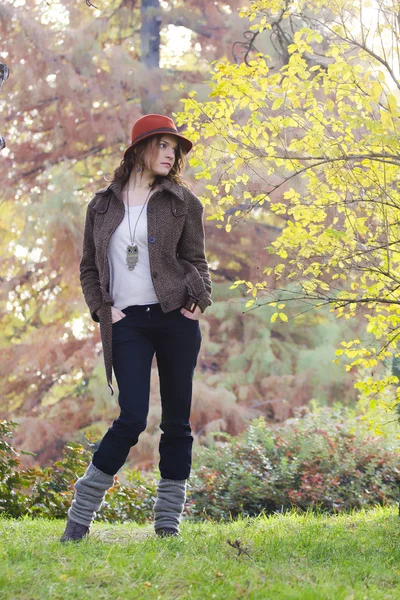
89, 495
168, 507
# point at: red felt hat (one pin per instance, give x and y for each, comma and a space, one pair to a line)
152, 125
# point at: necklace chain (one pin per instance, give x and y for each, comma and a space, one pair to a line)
132, 250
129, 220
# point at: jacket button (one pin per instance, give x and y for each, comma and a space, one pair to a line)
149, 209
152, 239
155, 274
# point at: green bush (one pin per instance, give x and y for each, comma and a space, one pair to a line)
13, 479
133, 502
48, 492
323, 461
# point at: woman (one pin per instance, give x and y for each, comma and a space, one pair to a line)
146, 280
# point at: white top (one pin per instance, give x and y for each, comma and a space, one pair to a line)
130, 287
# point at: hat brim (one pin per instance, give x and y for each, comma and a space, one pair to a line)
186, 143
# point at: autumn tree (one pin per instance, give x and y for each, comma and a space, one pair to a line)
314, 147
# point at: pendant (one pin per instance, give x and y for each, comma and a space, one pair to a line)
132, 256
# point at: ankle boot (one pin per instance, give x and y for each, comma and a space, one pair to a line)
168, 507
166, 532
89, 495
74, 532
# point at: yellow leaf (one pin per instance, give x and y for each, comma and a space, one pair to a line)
376, 90
386, 119
392, 103
273, 318
238, 162
278, 102
283, 316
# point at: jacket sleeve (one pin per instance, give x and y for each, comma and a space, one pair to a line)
89, 275
191, 247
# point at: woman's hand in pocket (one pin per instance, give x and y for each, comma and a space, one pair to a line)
192, 315
116, 314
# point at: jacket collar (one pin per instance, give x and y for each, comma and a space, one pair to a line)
173, 187
166, 184
104, 196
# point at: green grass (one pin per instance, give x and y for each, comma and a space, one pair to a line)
349, 557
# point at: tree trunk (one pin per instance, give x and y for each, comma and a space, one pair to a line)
150, 52
150, 33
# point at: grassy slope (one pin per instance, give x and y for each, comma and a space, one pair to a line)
293, 556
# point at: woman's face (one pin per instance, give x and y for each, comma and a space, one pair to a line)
165, 154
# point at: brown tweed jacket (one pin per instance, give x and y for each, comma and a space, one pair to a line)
178, 266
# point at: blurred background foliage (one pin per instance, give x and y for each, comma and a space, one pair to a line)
79, 77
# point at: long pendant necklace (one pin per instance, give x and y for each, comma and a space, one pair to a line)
132, 250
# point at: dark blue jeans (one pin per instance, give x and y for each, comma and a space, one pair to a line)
175, 340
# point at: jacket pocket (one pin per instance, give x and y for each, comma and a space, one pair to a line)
179, 209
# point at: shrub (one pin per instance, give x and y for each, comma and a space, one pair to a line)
133, 502
13, 479
48, 492
323, 461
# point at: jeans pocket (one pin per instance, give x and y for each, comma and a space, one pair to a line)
121, 319
187, 318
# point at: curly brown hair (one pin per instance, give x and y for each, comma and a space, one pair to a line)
143, 154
